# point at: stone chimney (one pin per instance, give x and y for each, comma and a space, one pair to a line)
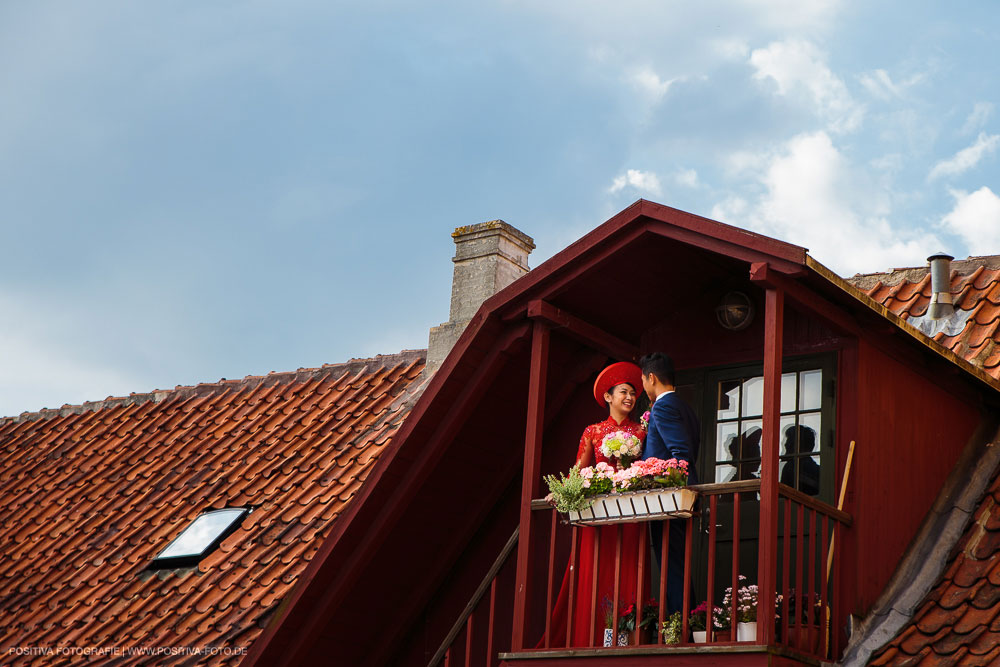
488, 257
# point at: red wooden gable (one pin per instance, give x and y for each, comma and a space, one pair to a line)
445, 497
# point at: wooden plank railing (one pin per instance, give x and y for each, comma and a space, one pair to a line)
808, 606
467, 619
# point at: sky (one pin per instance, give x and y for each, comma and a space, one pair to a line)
192, 191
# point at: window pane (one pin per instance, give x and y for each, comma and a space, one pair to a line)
727, 442
729, 400
808, 433
786, 472
810, 390
753, 397
788, 384
786, 430
752, 431
201, 533
809, 475
725, 473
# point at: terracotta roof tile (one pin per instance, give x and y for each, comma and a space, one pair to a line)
975, 288
93, 492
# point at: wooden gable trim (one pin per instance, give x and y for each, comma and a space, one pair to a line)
592, 336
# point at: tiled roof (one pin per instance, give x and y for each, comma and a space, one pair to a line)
92, 493
958, 622
975, 285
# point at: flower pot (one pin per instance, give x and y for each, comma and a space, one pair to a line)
623, 639
700, 636
609, 637
746, 632
647, 505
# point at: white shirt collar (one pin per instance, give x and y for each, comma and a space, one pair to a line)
659, 396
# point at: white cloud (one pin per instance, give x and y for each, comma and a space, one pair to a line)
686, 177
799, 69
967, 158
643, 181
879, 84
978, 117
731, 49
976, 219
648, 81
814, 197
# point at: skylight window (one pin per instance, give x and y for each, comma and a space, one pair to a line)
201, 537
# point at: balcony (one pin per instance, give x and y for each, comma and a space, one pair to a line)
721, 546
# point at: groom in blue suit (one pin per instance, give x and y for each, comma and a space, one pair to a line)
673, 433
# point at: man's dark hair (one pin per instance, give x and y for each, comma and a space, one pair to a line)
659, 365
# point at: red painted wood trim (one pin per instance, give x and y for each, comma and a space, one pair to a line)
688, 541
824, 617
800, 556
664, 543
713, 505
640, 577
734, 598
593, 584
811, 588
572, 585
492, 626
583, 331
768, 533
805, 299
469, 629
549, 577
836, 613
720, 230
530, 482
786, 569
618, 570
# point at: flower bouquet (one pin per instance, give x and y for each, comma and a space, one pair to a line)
621, 445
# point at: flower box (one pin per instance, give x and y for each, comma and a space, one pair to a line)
649, 505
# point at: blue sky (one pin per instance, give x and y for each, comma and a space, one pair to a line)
197, 190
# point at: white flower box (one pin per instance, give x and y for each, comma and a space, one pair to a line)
649, 505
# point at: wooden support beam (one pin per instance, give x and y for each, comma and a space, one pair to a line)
530, 482
587, 333
804, 298
767, 567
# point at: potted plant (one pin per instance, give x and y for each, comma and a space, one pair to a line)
698, 622
746, 610
647, 619
600, 494
671, 629
609, 623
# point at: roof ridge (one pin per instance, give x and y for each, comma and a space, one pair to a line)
352, 366
893, 277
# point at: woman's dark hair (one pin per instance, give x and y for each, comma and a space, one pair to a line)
659, 365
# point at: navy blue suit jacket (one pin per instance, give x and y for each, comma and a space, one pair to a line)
673, 433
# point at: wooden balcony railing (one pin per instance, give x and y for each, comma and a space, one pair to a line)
720, 552
720, 547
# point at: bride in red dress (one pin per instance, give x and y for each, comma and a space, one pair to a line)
617, 388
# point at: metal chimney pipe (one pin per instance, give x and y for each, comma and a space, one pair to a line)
941, 307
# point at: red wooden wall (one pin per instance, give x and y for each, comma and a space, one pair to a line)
909, 433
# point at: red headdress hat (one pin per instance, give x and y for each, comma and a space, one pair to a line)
614, 375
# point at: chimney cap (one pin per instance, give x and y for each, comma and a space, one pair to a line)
492, 228
940, 255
